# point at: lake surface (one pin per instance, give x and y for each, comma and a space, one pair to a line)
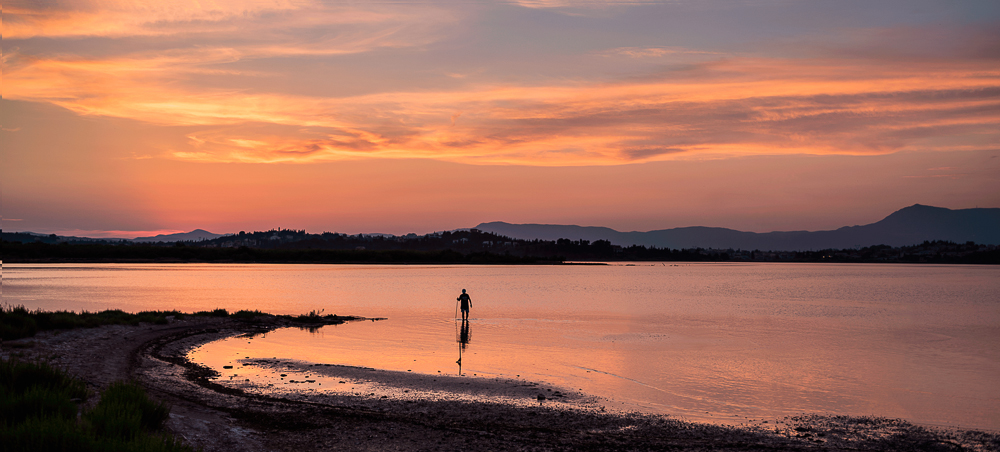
715, 342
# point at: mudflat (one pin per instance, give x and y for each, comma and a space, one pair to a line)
421, 412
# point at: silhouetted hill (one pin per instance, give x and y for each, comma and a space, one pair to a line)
908, 226
195, 235
32, 237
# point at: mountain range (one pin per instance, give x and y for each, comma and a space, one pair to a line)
196, 235
908, 226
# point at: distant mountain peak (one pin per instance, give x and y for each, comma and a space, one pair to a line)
922, 207
195, 235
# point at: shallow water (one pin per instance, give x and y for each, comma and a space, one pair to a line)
718, 342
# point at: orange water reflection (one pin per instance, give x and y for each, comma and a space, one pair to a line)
720, 373
704, 341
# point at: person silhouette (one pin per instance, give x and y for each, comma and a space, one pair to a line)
466, 304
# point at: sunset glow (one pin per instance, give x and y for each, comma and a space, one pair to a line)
352, 117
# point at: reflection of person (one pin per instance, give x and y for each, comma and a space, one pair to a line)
466, 335
463, 340
466, 304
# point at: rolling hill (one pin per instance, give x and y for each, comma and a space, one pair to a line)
908, 226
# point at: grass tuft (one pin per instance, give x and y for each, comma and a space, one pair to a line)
18, 322
121, 397
218, 312
36, 389
39, 406
247, 315
45, 433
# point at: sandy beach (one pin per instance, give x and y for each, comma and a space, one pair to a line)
407, 411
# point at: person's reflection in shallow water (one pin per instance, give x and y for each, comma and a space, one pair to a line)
464, 337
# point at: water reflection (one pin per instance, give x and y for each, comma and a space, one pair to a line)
463, 337
917, 342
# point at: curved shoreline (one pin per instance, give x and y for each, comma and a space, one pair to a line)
215, 416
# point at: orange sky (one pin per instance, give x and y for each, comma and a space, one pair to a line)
397, 117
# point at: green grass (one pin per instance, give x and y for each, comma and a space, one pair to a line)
39, 407
30, 390
125, 411
17, 322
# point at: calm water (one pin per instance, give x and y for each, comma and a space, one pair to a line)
698, 341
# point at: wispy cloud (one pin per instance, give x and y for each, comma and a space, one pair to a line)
656, 52
736, 107
711, 105
109, 18
119, 18
589, 4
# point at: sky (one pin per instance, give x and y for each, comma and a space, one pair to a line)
125, 118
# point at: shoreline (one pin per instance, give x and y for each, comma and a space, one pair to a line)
220, 416
459, 263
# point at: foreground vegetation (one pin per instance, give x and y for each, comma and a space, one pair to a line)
40, 410
18, 322
43, 408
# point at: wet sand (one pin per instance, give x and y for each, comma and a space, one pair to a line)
407, 411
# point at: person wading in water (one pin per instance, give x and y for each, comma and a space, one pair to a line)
466, 304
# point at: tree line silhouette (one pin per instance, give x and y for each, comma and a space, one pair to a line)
459, 247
